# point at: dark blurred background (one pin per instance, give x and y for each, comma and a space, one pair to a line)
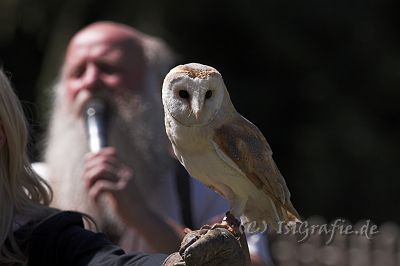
321, 79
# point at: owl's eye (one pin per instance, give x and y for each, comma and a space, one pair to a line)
208, 94
183, 94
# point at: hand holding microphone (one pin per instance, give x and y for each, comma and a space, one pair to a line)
105, 172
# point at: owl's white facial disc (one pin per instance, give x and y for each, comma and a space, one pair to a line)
193, 101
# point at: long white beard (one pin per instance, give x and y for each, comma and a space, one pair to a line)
135, 130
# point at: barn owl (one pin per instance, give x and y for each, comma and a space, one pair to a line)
223, 149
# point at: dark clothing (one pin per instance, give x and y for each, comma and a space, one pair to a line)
61, 240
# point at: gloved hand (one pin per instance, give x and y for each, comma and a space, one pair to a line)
211, 247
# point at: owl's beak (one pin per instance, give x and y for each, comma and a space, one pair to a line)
197, 115
196, 108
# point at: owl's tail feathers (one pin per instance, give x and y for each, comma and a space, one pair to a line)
269, 214
288, 216
282, 215
259, 216
290, 213
291, 220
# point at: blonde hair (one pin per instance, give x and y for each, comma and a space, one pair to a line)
22, 191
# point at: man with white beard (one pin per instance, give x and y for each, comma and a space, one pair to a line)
129, 188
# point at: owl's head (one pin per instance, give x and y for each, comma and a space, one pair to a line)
193, 94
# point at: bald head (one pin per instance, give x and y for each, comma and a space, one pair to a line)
113, 33
108, 26
104, 55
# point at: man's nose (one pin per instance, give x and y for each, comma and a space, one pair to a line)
92, 79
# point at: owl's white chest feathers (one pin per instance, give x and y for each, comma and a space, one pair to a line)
195, 150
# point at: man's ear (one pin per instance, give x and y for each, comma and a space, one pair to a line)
2, 136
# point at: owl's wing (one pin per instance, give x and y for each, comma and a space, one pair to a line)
241, 145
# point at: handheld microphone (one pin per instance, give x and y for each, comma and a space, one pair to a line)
96, 117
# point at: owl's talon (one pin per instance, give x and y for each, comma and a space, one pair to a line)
232, 224
231, 220
187, 230
223, 225
229, 223
206, 226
